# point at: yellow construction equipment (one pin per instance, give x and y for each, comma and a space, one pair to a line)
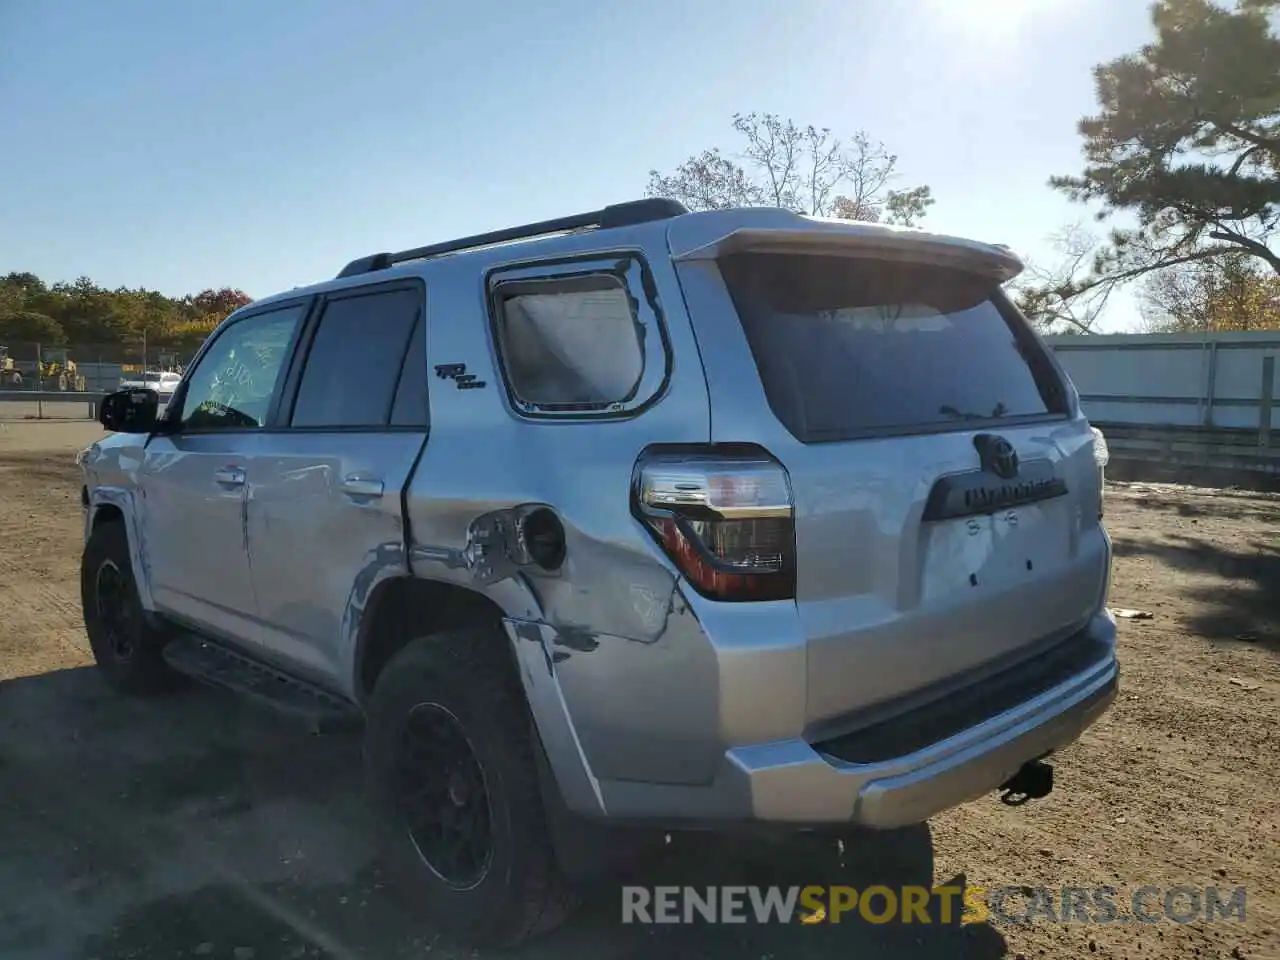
58, 367
10, 376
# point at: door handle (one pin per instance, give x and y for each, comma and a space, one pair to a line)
362, 488
229, 476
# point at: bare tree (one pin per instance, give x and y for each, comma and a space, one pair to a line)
1050, 294
803, 168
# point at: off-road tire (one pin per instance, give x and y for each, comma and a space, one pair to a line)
522, 892
136, 666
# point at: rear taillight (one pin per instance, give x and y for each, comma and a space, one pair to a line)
723, 516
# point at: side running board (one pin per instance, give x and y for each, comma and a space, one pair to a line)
216, 665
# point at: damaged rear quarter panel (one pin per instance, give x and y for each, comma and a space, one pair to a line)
621, 648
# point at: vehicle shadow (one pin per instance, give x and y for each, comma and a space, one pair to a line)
196, 825
1242, 602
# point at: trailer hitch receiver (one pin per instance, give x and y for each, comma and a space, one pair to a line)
1032, 781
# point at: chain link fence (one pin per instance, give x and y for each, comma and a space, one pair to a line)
74, 370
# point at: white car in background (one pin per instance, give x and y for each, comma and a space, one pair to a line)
163, 383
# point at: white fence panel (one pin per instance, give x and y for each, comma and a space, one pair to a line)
1180, 399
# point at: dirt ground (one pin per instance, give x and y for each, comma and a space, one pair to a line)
197, 826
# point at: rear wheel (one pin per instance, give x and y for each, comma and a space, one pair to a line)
450, 762
125, 645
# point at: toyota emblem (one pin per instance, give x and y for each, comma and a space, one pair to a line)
997, 455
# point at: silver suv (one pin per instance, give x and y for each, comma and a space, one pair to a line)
636, 517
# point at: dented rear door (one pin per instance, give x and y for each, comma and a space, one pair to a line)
326, 488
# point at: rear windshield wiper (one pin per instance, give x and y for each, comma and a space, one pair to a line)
949, 411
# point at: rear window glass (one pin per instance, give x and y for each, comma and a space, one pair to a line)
571, 342
851, 347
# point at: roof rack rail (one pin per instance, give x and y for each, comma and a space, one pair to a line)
615, 215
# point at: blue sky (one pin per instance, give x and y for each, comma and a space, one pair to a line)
182, 145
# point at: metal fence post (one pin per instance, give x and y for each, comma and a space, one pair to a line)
1212, 381
1264, 405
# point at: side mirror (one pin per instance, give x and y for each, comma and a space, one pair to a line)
130, 411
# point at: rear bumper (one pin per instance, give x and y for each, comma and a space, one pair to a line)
911, 788
796, 782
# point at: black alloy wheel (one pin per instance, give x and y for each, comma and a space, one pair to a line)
444, 797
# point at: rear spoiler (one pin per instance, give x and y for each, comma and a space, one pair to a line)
709, 236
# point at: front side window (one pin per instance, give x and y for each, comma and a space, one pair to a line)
232, 386
579, 340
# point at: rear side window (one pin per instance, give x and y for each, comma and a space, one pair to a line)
571, 342
580, 337
355, 360
851, 347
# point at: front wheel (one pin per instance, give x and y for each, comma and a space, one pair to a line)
450, 762
125, 645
